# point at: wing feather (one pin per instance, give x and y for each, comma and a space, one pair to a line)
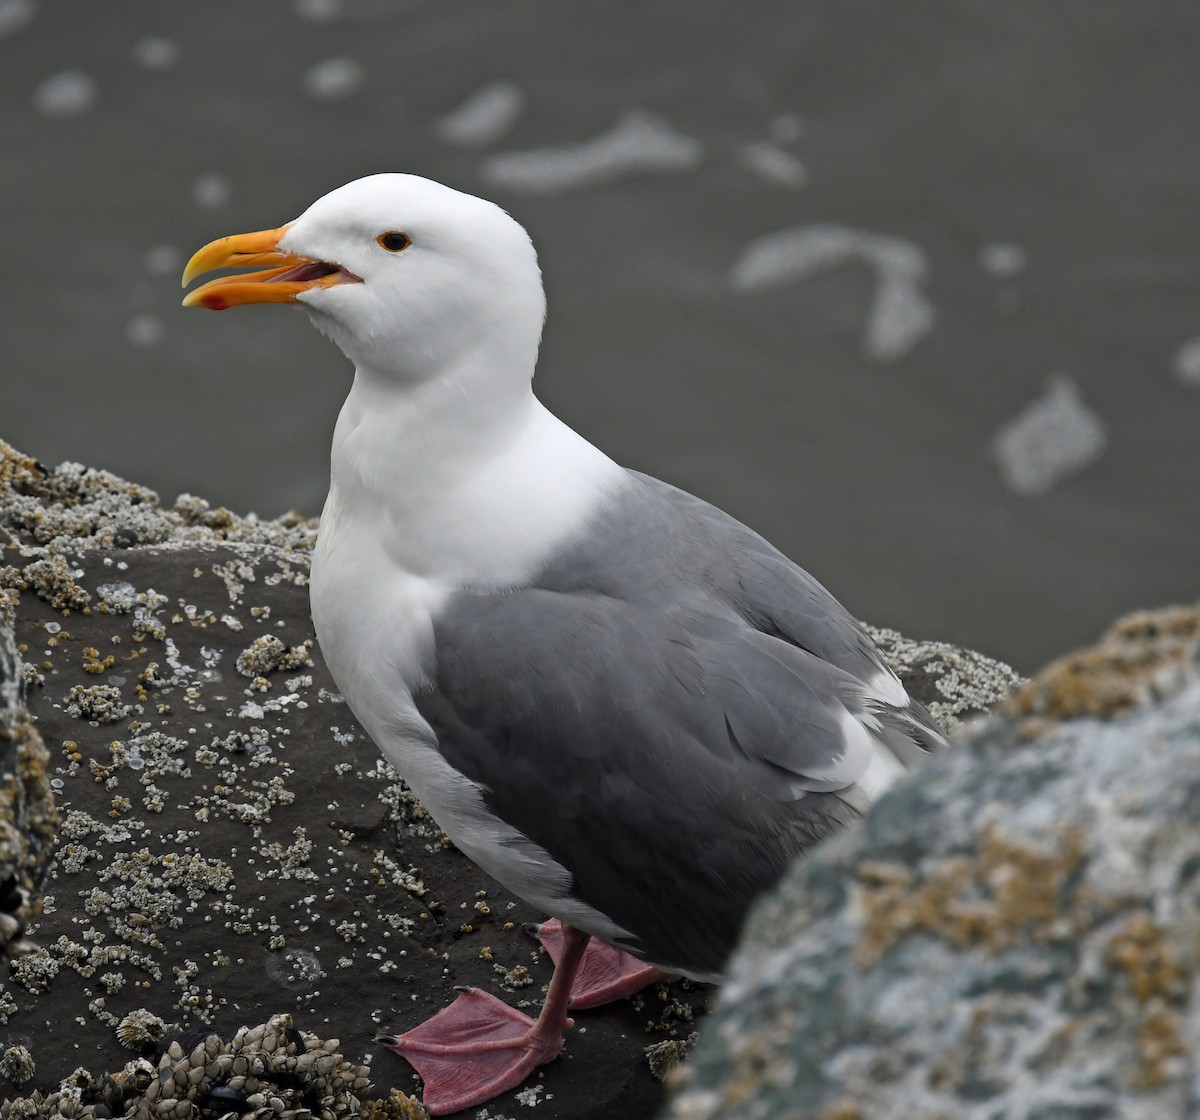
661, 756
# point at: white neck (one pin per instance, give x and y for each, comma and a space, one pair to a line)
392, 432
466, 479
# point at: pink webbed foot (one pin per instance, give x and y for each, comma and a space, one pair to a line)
476, 1049
605, 973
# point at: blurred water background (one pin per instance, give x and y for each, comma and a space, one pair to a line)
913, 289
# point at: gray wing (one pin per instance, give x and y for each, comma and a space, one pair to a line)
673, 711
781, 598
675, 762
657, 539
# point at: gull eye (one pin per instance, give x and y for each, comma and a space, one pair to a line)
394, 241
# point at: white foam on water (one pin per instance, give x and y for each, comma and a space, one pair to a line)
1002, 258
156, 52
318, 11
484, 117
786, 128
211, 190
144, 330
1052, 438
773, 164
901, 314
333, 78
67, 94
1186, 363
164, 260
900, 317
15, 14
638, 142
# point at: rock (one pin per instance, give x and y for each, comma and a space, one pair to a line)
1145, 657
233, 847
1013, 932
953, 683
28, 818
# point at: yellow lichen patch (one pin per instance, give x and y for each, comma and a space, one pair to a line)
1141, 951
395, 1106
1028, 883
1004, 892
1171, 624
1144, 655
53, 581
756, 1060
1159, 1043
841, 1110
94, 663
664, 1057
18, 472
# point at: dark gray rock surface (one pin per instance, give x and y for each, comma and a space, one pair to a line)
953, 683
1012, 933
232, 847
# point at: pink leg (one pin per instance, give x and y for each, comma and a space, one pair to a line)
479, 1047
606, 973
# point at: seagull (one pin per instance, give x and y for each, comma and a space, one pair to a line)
621, 703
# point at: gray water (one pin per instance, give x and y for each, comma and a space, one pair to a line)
914, 290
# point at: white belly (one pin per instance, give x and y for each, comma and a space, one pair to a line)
374, 623
398, 538
404, 528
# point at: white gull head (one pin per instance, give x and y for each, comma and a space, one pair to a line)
442, 454
445, 275
410, 278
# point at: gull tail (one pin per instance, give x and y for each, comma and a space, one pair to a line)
902, 738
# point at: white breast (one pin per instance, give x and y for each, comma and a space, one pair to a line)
373, 619
392, 547
414, 514
375, 625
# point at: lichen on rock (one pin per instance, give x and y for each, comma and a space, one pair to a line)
1144, 657
1013, 931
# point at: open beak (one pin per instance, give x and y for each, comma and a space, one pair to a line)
284, 279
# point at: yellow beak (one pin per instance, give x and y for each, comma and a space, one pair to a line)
285, 278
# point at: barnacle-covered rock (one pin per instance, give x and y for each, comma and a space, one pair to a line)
140, 1029
197, 870
268, 654
16, 1063
952, 682
268, 1070
28, 817
72, 506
